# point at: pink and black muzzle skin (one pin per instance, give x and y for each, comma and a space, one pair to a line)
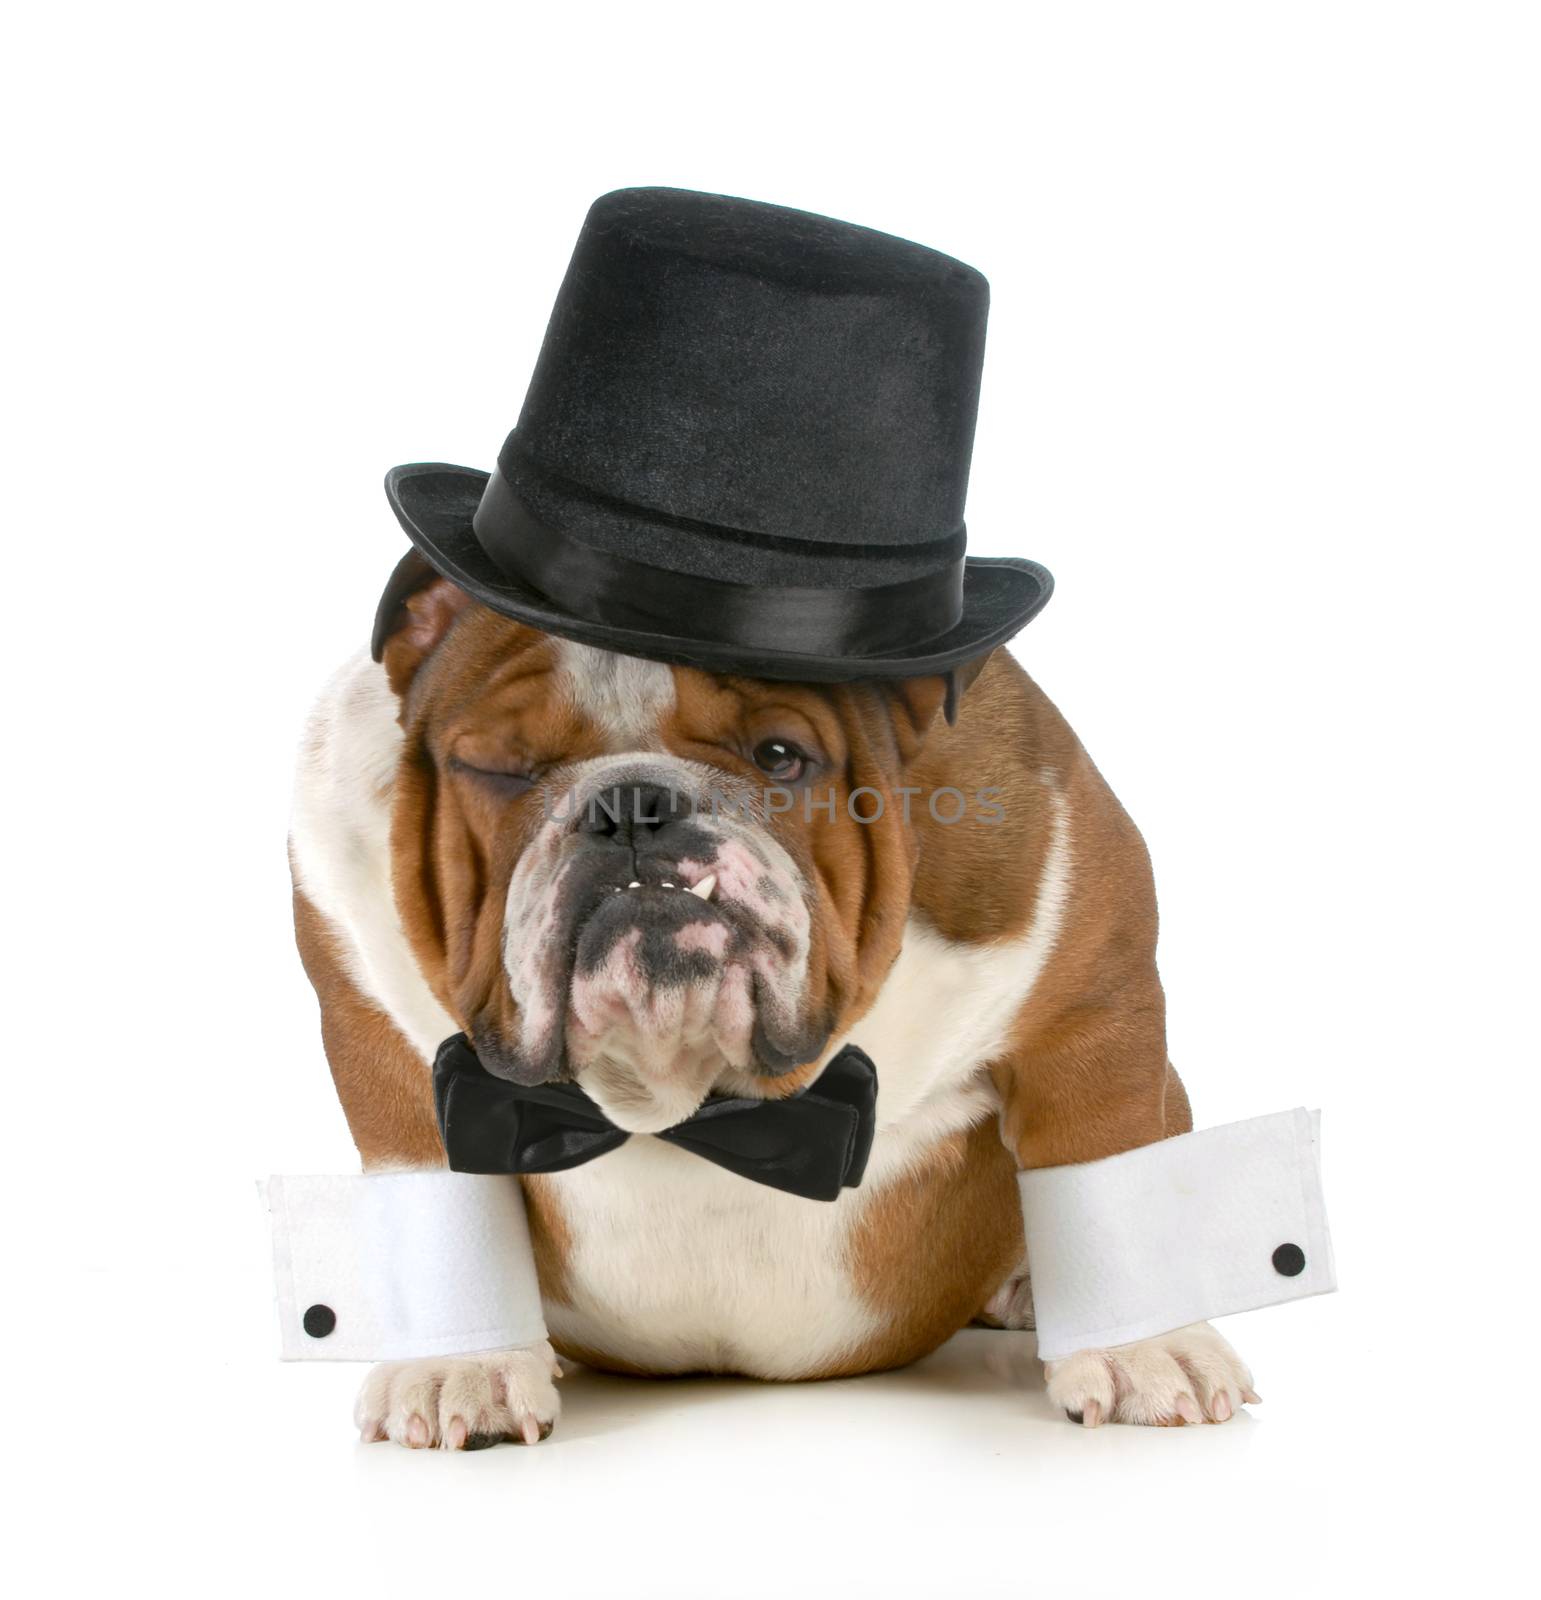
656, 942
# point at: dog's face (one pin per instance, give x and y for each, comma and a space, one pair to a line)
650, 879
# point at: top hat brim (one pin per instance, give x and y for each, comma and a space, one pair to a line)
435, 504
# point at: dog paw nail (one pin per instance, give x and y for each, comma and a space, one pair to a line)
417, 1432
455, 1435
1091, 1417
530, 1429
1188, 1408
1251, 1397
1220, 1406
371, 1433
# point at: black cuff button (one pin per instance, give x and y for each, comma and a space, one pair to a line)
1289, 1260
319, 1321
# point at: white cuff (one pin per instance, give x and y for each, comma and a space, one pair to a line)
1190, 1228
389, 1266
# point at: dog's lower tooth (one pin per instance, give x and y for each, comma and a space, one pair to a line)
703, 889
633, 885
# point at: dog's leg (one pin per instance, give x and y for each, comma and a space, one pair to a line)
1085, 1075
1011, 1306
1093, 1087
386, 1089
385, 1086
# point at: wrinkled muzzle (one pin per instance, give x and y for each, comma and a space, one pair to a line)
656, 942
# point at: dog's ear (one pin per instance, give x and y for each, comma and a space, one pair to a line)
959, 681
414, 614
917, 700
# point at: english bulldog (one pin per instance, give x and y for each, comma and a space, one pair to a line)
931, 869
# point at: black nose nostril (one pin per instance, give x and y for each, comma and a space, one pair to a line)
629, 811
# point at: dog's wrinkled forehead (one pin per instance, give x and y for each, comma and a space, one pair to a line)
624, 698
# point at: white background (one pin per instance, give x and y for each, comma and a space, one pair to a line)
1262, 391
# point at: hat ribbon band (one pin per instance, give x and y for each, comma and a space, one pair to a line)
619, 592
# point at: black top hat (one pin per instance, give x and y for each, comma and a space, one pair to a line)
745, 448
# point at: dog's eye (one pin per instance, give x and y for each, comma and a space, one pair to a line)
779, 760
499, 780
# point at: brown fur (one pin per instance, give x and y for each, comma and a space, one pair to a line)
1086, 1073
932, 1248
550, 1237
386, 1093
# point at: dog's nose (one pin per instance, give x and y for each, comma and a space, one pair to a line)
631, 813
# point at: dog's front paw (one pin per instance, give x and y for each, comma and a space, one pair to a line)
462, 1402
1190, 1375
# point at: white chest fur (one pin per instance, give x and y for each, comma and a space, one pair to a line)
678, 1266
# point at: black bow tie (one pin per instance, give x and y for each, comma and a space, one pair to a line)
814, 1143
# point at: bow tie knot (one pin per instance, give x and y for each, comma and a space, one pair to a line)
814, 1143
